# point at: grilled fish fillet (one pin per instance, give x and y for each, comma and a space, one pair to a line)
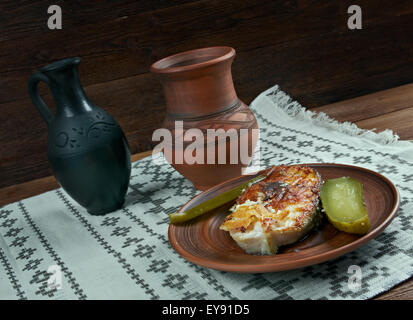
276, 211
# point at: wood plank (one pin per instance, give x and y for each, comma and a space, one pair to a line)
400, 121
371, 105
403, 291
123, 42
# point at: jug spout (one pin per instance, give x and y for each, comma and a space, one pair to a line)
63, 80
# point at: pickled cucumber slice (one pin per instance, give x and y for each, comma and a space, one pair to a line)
212, 203
343, 202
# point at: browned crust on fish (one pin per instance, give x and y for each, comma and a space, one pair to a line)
284, 186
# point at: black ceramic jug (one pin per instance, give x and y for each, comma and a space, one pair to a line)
86, 147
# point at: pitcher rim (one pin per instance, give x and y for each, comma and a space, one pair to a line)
165, 65
61, 64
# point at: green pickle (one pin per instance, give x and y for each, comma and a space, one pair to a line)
343, 203
212, 203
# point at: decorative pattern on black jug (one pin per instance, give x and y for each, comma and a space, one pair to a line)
80, 133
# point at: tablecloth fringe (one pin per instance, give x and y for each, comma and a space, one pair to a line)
296, 110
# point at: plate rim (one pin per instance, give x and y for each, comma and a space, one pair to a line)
307, 261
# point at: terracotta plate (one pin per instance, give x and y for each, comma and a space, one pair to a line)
202, 242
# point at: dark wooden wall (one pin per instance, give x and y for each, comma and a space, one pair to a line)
303, 45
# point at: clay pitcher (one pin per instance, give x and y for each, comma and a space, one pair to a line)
200, 95
86, 147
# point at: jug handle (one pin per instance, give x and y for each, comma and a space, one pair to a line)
37, 99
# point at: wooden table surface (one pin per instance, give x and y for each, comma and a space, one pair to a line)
387, 109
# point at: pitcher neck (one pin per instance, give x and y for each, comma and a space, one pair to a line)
67, 90
200, 92
197, 82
